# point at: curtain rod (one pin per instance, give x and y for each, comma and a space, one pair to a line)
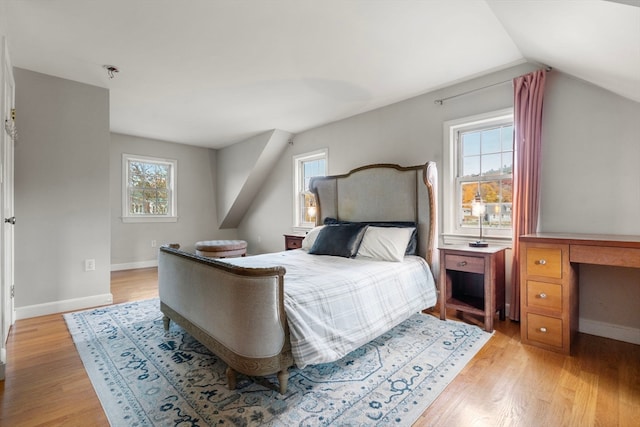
441, 100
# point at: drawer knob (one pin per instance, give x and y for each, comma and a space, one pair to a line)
542, 295
541, 261
543, 330
462, 263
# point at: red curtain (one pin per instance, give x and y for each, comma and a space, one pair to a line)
527, 118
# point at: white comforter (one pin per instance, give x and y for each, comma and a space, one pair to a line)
335, 305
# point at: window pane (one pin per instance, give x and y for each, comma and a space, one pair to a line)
309, 208
310, 169
470, 143
507, 190
468, 192
507, 162
491, 141
471, 166
491, 164
507, 138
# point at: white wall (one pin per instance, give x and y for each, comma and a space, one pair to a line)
590, 143
61, 194
197, 220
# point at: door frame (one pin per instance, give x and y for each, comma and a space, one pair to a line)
7, 110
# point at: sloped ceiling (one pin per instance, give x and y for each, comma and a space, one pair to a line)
212, 73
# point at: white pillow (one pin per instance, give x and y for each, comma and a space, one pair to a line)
310, 238
385, 243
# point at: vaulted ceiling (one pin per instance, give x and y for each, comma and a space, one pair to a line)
212, 73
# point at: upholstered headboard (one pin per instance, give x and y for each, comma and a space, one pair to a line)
383, 192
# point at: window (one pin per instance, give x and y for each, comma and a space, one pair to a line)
479, 162
305, 167
148, 189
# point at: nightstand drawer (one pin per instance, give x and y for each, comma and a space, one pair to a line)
292, 241
545, 262
544, 295
469, 264
544, 329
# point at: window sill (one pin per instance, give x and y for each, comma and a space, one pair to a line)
143, 219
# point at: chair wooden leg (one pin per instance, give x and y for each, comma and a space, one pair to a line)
165, 322
283, 378
231, 378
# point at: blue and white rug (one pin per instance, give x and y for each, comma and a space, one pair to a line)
145, 376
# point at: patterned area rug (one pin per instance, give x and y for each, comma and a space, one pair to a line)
145, 376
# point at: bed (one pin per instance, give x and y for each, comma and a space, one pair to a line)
366, 267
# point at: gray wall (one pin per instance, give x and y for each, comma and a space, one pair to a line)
61, 192
591, 184
591, 181
197, 220
406, 133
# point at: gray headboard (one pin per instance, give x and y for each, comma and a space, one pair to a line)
383, 192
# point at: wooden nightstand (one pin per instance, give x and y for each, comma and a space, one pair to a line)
293, 241
472, 281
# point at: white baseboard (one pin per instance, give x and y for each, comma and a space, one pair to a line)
62, 306
609, 330
134, 265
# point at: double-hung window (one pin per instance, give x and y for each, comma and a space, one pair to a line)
148, 192
307, 166
479, 168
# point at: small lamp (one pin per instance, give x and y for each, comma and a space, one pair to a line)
478, 209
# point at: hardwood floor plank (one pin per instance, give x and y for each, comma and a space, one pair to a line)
506, 383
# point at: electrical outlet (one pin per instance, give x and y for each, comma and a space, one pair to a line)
153, 243
89, 264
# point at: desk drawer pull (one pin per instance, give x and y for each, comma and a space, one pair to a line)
462, 263
541, 261
542, 295
543, 330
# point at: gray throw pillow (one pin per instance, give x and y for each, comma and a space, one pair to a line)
339, 240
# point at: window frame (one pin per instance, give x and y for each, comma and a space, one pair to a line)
172, 216
452, 231
298, 184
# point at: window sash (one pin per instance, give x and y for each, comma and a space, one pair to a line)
149, 194
458, 226
305, 206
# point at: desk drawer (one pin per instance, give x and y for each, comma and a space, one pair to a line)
469, 264
544, 295
545, 262
544, 329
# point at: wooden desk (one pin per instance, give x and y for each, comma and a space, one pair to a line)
549, 281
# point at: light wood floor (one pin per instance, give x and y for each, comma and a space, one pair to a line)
506, 384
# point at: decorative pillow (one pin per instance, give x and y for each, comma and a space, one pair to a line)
339, 240
311, 237
385, 243
412, 246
